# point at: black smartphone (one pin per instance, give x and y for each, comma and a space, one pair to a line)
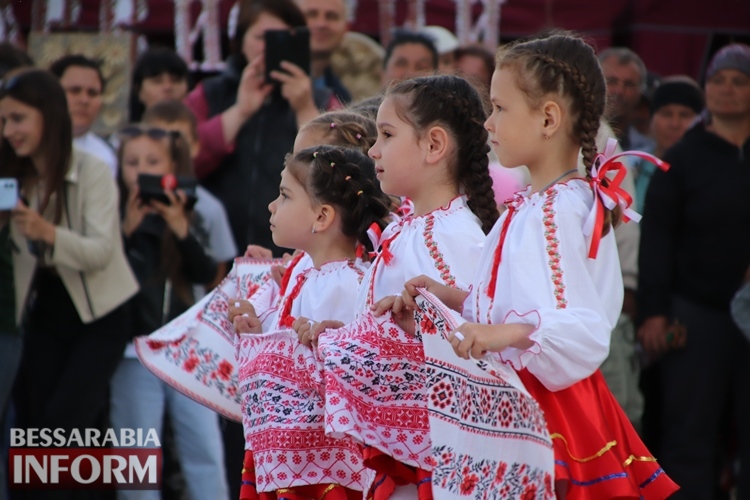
151, 187
292, 45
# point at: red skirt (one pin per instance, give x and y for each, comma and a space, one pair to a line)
597, 450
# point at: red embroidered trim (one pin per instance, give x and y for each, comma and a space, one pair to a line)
443, 268
553, 249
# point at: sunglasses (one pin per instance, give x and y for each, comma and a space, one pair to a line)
152, 132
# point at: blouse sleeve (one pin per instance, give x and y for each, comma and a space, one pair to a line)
210, 134
572, 301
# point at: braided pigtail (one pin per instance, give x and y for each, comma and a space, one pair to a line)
454, 103
344, 178
565, 65
345, 128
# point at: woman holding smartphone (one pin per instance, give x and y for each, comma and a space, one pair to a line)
246, 128
70, 272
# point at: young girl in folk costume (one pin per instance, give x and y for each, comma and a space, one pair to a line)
431, 148
328, 201
548, 289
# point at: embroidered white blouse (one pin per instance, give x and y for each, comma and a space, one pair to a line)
545, 278
444, 244
317, 294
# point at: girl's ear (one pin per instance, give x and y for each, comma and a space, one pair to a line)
325, 219
552, 115
436, 142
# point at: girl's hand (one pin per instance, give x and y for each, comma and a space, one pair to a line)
653, 336
174, 214
32, 225
277, 274
308, 331
403, 315
135, 211
247, 324
258, 252
239, 307
252, 90
476, 339
296, 88
451, 297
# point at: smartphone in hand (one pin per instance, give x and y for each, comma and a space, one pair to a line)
8, 194
292, 45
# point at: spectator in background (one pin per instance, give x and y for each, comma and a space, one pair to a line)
676, 103
175, 116
446, 44
328, 21
159, 75
245, 128
409, 55
476, 64
625, 74
11, 57
83, 82
71, 276
695, 250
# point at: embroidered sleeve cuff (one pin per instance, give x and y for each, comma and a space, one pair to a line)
519, 358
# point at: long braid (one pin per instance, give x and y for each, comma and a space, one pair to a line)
453, 102
566, 65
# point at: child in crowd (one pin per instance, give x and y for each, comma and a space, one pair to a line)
328, 201
174, 116
548, 288
167, 256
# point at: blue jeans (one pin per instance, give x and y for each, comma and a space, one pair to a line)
139, 399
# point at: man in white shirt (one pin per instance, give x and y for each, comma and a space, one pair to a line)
83, 82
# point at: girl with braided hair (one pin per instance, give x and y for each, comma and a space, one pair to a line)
431, 148
328, 200
548, 290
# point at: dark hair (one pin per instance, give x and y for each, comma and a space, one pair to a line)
344, 178
455, 104
368, 107
565, 65
42, 91
345, 128
250, 10
171, 264
59, 67
402, 37
487, 58
172, 111
11, 57
154, 62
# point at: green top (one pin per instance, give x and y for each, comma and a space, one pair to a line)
7, 289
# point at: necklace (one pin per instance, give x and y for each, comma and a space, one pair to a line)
572, 171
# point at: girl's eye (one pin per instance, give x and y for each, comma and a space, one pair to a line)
498, 108
387, 134
283, 195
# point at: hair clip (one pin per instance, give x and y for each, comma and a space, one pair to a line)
359, 192
333, 125
333, 164
315, 154
347, 177
359, 136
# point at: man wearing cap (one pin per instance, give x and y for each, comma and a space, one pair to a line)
446, 44
694, 252
676, 103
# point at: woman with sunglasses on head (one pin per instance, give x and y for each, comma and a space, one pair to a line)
166, 246
71, 275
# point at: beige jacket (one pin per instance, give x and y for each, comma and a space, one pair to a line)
88, 252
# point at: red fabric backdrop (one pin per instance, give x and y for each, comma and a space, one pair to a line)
672, 36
